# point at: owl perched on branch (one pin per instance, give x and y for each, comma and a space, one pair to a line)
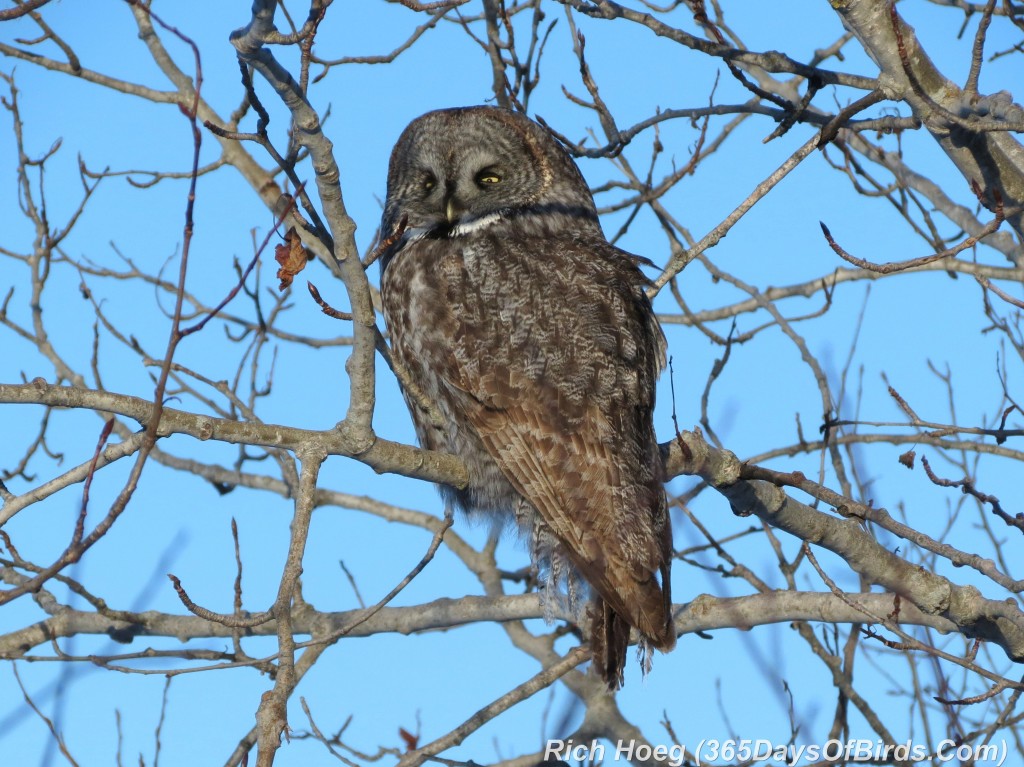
531, 336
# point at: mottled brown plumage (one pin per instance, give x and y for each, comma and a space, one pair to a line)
534, 339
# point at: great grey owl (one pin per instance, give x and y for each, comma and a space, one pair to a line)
535, 342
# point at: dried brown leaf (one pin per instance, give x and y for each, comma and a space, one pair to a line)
292, 257
411, 741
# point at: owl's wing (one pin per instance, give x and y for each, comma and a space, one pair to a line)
554, 369
574, 481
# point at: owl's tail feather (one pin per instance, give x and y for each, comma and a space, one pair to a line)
650, 610
609, 641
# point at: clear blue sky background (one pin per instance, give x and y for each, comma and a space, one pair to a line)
179, 524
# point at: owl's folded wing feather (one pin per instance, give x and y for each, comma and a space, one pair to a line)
574, 479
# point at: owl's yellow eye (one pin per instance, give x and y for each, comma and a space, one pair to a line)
487, 177
429, 182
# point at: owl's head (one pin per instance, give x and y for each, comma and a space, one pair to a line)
454, 172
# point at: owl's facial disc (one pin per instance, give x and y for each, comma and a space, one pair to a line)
459, 194
455, 172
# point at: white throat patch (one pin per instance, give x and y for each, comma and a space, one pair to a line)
475, 225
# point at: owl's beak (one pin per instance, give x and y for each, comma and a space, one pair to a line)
454, 208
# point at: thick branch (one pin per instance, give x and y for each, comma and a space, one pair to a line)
993, 159
705, 613
249, 42
998, 621
382, 455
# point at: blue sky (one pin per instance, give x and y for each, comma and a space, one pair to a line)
180, 524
